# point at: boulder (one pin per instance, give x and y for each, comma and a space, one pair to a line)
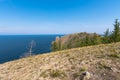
85, 76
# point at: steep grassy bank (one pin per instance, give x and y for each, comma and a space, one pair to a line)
101, 62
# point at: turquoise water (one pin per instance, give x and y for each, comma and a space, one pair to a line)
12, 47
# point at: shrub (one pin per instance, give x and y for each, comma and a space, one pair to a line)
104, 66
57, 73
114, 55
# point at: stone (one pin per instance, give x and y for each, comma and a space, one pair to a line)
85, 75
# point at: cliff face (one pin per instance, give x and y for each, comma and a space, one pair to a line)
101, 62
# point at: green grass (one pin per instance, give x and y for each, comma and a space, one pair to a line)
115, 55
57, 73
104, 66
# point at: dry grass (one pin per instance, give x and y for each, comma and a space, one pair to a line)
102, 61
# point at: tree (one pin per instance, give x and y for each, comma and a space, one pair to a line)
107, 33
54, 46
30, 50
31, 47
96, 39
106, 38
58, 42
116, 32
87, 41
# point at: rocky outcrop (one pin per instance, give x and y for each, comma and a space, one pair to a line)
85, 75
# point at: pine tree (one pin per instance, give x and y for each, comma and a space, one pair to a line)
54, 46
87, 41
96, 39
116, 33
58, 42
106, 38
106, 33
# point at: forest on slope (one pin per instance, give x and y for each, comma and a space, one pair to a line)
87, 39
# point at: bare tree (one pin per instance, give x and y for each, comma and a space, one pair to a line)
30, 49
32, 44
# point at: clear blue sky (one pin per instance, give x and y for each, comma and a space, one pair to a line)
57, 16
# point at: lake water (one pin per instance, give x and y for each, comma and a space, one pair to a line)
12, 47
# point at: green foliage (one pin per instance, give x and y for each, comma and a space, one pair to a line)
57, 73
114, 36
77, 40
115, 55
54, 46
103, 66
87, 39
44, 74
107, 33
116, 32
106, 38
82, 69
96, 39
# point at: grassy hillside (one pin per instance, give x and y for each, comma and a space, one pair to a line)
101, 62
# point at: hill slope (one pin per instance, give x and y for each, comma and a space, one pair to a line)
101, 62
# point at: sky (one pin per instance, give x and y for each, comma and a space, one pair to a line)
57, 16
